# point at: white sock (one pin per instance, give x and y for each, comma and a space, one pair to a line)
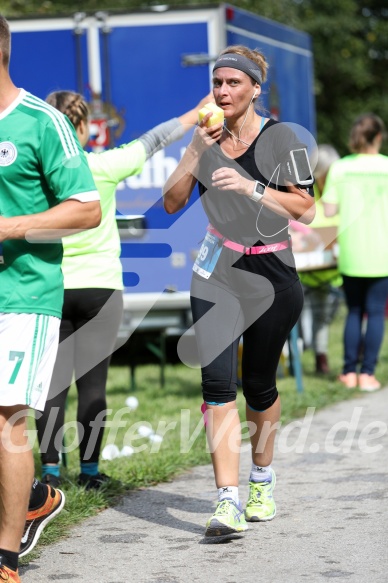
228, 492
260, 473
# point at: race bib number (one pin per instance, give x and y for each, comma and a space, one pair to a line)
208, 256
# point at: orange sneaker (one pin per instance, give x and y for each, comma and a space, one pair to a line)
6, 574
368, 382
349, 380
39, 518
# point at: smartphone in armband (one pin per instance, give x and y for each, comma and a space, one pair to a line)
302, 168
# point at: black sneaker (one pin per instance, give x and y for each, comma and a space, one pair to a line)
54, 481
93, 482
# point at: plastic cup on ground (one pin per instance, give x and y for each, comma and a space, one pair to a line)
145, 430
132, 403
127, 451
155, 438
110, 452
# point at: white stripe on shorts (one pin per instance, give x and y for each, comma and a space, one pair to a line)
28, 349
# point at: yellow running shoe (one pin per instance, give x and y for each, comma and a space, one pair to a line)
228, 519
261, 505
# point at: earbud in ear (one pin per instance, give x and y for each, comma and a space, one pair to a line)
254, 95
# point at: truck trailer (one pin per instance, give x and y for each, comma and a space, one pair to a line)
138, 69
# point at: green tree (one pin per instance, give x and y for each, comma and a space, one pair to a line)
350, 44
350, 41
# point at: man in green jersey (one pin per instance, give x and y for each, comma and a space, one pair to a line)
46, 191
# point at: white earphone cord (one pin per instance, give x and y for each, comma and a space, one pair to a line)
261, 208
242, 125
270, 180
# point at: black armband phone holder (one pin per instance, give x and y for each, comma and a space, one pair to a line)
296, 168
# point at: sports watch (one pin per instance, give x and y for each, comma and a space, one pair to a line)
258, 191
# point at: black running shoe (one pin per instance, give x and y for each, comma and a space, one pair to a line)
54, 481
93, 482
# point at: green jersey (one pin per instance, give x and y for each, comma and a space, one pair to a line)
41, 165
92, 258
358, 184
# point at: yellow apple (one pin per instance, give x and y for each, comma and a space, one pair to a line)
217, 114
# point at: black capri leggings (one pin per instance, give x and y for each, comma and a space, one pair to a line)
88, 332
264, 324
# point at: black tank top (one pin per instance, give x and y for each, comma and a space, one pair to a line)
247, 222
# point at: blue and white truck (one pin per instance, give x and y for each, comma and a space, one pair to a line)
139, 69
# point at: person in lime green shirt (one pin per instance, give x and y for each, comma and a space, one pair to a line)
321, 287
93, 302
357, 189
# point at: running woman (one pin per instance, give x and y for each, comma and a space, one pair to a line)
244, 280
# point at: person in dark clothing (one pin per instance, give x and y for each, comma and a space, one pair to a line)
244, 283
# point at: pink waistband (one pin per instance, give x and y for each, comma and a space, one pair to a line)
258, 250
